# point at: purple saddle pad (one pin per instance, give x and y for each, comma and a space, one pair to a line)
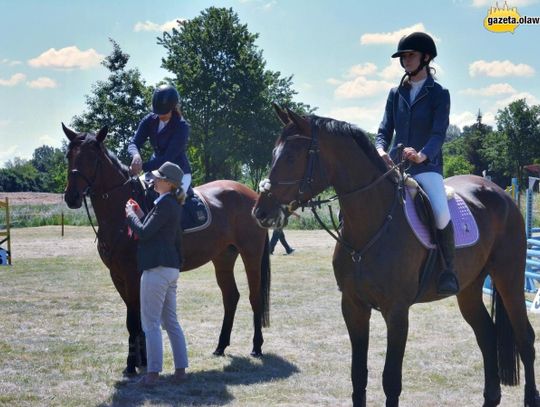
465, 227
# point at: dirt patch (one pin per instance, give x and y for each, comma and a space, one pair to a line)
47, 241
32, 198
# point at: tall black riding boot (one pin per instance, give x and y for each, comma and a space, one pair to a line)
448, 283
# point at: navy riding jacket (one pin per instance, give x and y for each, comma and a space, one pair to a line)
421, 125
160, 235
169, 144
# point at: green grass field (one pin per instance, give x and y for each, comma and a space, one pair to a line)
64, 342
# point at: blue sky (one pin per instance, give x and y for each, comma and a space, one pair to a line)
338, 51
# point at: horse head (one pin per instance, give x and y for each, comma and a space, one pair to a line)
85, 153
296, 174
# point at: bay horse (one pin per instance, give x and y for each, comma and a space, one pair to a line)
93, 171
377, 260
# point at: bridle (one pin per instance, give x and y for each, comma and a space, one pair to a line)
90, 191
307, 182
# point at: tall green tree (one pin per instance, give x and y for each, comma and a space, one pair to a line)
226, 94
519, 125
52, 167
119, 102
474, 138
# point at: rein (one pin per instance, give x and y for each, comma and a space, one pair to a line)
307, 181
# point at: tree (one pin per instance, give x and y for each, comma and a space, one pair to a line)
226, 94
473, 140
520, 125
456, 165
52, 167
119, 102
19, 176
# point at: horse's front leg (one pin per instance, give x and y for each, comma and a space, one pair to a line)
397, 325
357, 320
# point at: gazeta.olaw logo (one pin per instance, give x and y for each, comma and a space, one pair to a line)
506, 19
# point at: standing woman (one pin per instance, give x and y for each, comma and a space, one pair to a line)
418, 112
168, 133
159, 257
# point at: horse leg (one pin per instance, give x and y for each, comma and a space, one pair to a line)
224, 268
475, 313
356, 318
513, 299
128, 288
252, 263
397, 325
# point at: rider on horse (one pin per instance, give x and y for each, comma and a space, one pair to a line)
168, 133
418, 112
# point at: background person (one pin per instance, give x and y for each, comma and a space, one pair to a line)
159, 257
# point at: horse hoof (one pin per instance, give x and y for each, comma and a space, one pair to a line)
256, 353
219, 352
129, 372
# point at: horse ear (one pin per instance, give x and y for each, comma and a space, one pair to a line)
282, 114
299, 121
70, 134
102, 134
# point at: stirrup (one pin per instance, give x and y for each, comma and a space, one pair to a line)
447, 284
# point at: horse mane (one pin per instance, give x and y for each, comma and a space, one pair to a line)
90, 138
340, 128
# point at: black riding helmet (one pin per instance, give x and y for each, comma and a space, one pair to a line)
416, 41
165, 99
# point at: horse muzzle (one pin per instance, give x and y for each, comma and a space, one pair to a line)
277, 219
73, 199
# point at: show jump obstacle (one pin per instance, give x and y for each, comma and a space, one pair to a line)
5, 237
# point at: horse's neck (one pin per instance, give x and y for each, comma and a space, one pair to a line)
110, 200
363, 212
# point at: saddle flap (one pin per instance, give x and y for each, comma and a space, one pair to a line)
196, 214
465, 228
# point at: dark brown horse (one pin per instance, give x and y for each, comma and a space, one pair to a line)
379, 268
93, 171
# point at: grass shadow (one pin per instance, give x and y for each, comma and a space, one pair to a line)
205, 388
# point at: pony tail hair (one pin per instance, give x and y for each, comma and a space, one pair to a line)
180, 195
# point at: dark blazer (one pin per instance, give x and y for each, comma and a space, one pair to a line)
421, 125
168, 145
160, 235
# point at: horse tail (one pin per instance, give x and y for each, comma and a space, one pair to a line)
265, 284
507, 353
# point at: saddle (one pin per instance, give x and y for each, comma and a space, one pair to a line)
196, 214
419, 214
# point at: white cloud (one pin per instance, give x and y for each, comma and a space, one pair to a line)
394, 71
361, 87
48, 140
531, 99
513, 3
491, 90
499, 68
4, 123
394, 36
151, 26
367, 68
67, 58
468, 119
42, 82
269, 6
9, 62
14, 80
366, 118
